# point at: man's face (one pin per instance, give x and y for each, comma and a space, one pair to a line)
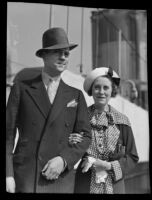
56, 61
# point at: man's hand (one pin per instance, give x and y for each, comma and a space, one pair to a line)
10, 184
53, 168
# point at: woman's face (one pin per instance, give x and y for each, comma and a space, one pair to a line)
101, 91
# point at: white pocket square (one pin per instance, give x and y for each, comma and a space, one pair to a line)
72, 103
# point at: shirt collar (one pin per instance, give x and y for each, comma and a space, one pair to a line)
46, 78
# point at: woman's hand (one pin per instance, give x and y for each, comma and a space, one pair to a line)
87, 163
102, 165
75, 138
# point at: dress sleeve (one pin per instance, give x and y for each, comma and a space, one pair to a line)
116, 170
129, 157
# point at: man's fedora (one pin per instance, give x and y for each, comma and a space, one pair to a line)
55, 38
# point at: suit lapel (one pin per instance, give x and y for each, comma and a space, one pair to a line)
38, 93
60, 101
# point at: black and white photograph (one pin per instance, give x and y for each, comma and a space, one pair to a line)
77, 108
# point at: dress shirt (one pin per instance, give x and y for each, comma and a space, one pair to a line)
54, 81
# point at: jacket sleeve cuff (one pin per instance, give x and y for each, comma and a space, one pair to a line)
65, 164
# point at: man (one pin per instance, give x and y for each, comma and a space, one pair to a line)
45, 111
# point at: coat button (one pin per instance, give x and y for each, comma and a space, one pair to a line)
39, 158
33, 122
60, 141
67, 124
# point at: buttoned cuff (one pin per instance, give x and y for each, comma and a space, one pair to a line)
116, 169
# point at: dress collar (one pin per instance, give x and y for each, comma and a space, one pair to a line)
106, 109
113, 116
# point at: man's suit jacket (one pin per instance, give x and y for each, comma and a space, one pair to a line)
43, 134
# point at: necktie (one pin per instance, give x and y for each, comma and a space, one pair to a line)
51, 90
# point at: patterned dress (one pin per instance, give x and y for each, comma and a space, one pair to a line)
105, 134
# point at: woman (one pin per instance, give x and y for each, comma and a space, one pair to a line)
112, 152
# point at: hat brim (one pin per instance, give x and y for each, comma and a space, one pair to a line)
58, 46
102, 71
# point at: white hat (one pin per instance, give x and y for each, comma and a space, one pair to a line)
101, 71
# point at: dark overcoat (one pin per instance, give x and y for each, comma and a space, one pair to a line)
43, 134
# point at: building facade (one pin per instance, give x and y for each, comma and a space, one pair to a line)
119, 40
